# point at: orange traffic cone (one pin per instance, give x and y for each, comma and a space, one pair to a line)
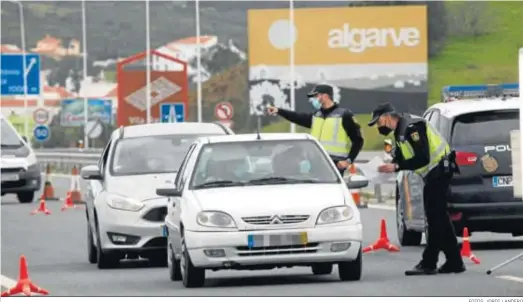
356, 192
466, 251
48, 191
68, 203
383, 242
76, 196
42, 208
24, 284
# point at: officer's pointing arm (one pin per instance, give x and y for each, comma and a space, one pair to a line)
353, 130
301, 119
416, 135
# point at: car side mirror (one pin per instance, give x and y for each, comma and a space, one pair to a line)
168, 192
91, 172
357, 182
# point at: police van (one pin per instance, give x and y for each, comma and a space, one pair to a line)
476, 120
20, 172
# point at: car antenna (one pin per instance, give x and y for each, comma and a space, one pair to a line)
258, 119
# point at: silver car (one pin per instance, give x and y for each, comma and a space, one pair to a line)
124, 214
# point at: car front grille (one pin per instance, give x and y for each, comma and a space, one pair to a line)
285, 219
309, 248
156, 214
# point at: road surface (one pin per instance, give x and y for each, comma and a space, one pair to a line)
55, 248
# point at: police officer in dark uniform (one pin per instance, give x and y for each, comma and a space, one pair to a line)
420, 148
334, 127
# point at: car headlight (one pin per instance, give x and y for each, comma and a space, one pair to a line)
215, 219
124, 203
334, 214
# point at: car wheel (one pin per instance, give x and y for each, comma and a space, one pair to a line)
105, 259
191, 276
25, 197
159, 259
351, 270
322, 269
405, 237
91, 249
174, 266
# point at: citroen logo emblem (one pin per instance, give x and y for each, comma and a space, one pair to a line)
276, 220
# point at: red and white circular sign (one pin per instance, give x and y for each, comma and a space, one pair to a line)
41, 116
224, 111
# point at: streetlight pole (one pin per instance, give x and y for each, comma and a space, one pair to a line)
199, 63
24, 64
86, 102
148, 63
291, 36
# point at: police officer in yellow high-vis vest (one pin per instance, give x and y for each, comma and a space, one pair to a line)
334, 127
420, 148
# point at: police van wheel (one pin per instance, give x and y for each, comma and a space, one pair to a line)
405, 237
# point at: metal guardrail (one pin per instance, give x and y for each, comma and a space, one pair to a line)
62, 160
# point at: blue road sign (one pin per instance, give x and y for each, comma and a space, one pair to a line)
172, 112
41, 133
13, 76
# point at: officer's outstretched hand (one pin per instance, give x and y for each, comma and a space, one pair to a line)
387, 168
271, 110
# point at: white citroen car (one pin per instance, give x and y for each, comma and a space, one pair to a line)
226, 213
124, 214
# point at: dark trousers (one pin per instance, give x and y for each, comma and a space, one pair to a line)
441, 234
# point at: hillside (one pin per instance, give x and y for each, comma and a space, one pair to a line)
118, 28
466, 58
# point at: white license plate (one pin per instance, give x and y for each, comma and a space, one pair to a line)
501, 181
10, 177
277, 240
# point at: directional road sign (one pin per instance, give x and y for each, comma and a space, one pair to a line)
172, 112
13, 74
41, 133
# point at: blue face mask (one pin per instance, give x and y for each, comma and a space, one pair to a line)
316, 103
305, 166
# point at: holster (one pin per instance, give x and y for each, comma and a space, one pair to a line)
448, 163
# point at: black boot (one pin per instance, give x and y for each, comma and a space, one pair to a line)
452, 267
420, 269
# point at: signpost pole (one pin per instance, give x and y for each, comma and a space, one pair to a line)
199, 62
24, 64
86, 102
148, 63
291, 36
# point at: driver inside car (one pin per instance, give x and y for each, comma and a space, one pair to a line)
232, 169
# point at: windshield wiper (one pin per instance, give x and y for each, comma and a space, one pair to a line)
285, 180
219, 183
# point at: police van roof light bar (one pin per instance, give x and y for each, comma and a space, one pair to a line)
462, 92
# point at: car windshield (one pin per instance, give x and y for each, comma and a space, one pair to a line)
262, 163
492, 127
9, 138
151, 154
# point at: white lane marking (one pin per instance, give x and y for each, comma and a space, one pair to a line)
510, 278
7, 282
